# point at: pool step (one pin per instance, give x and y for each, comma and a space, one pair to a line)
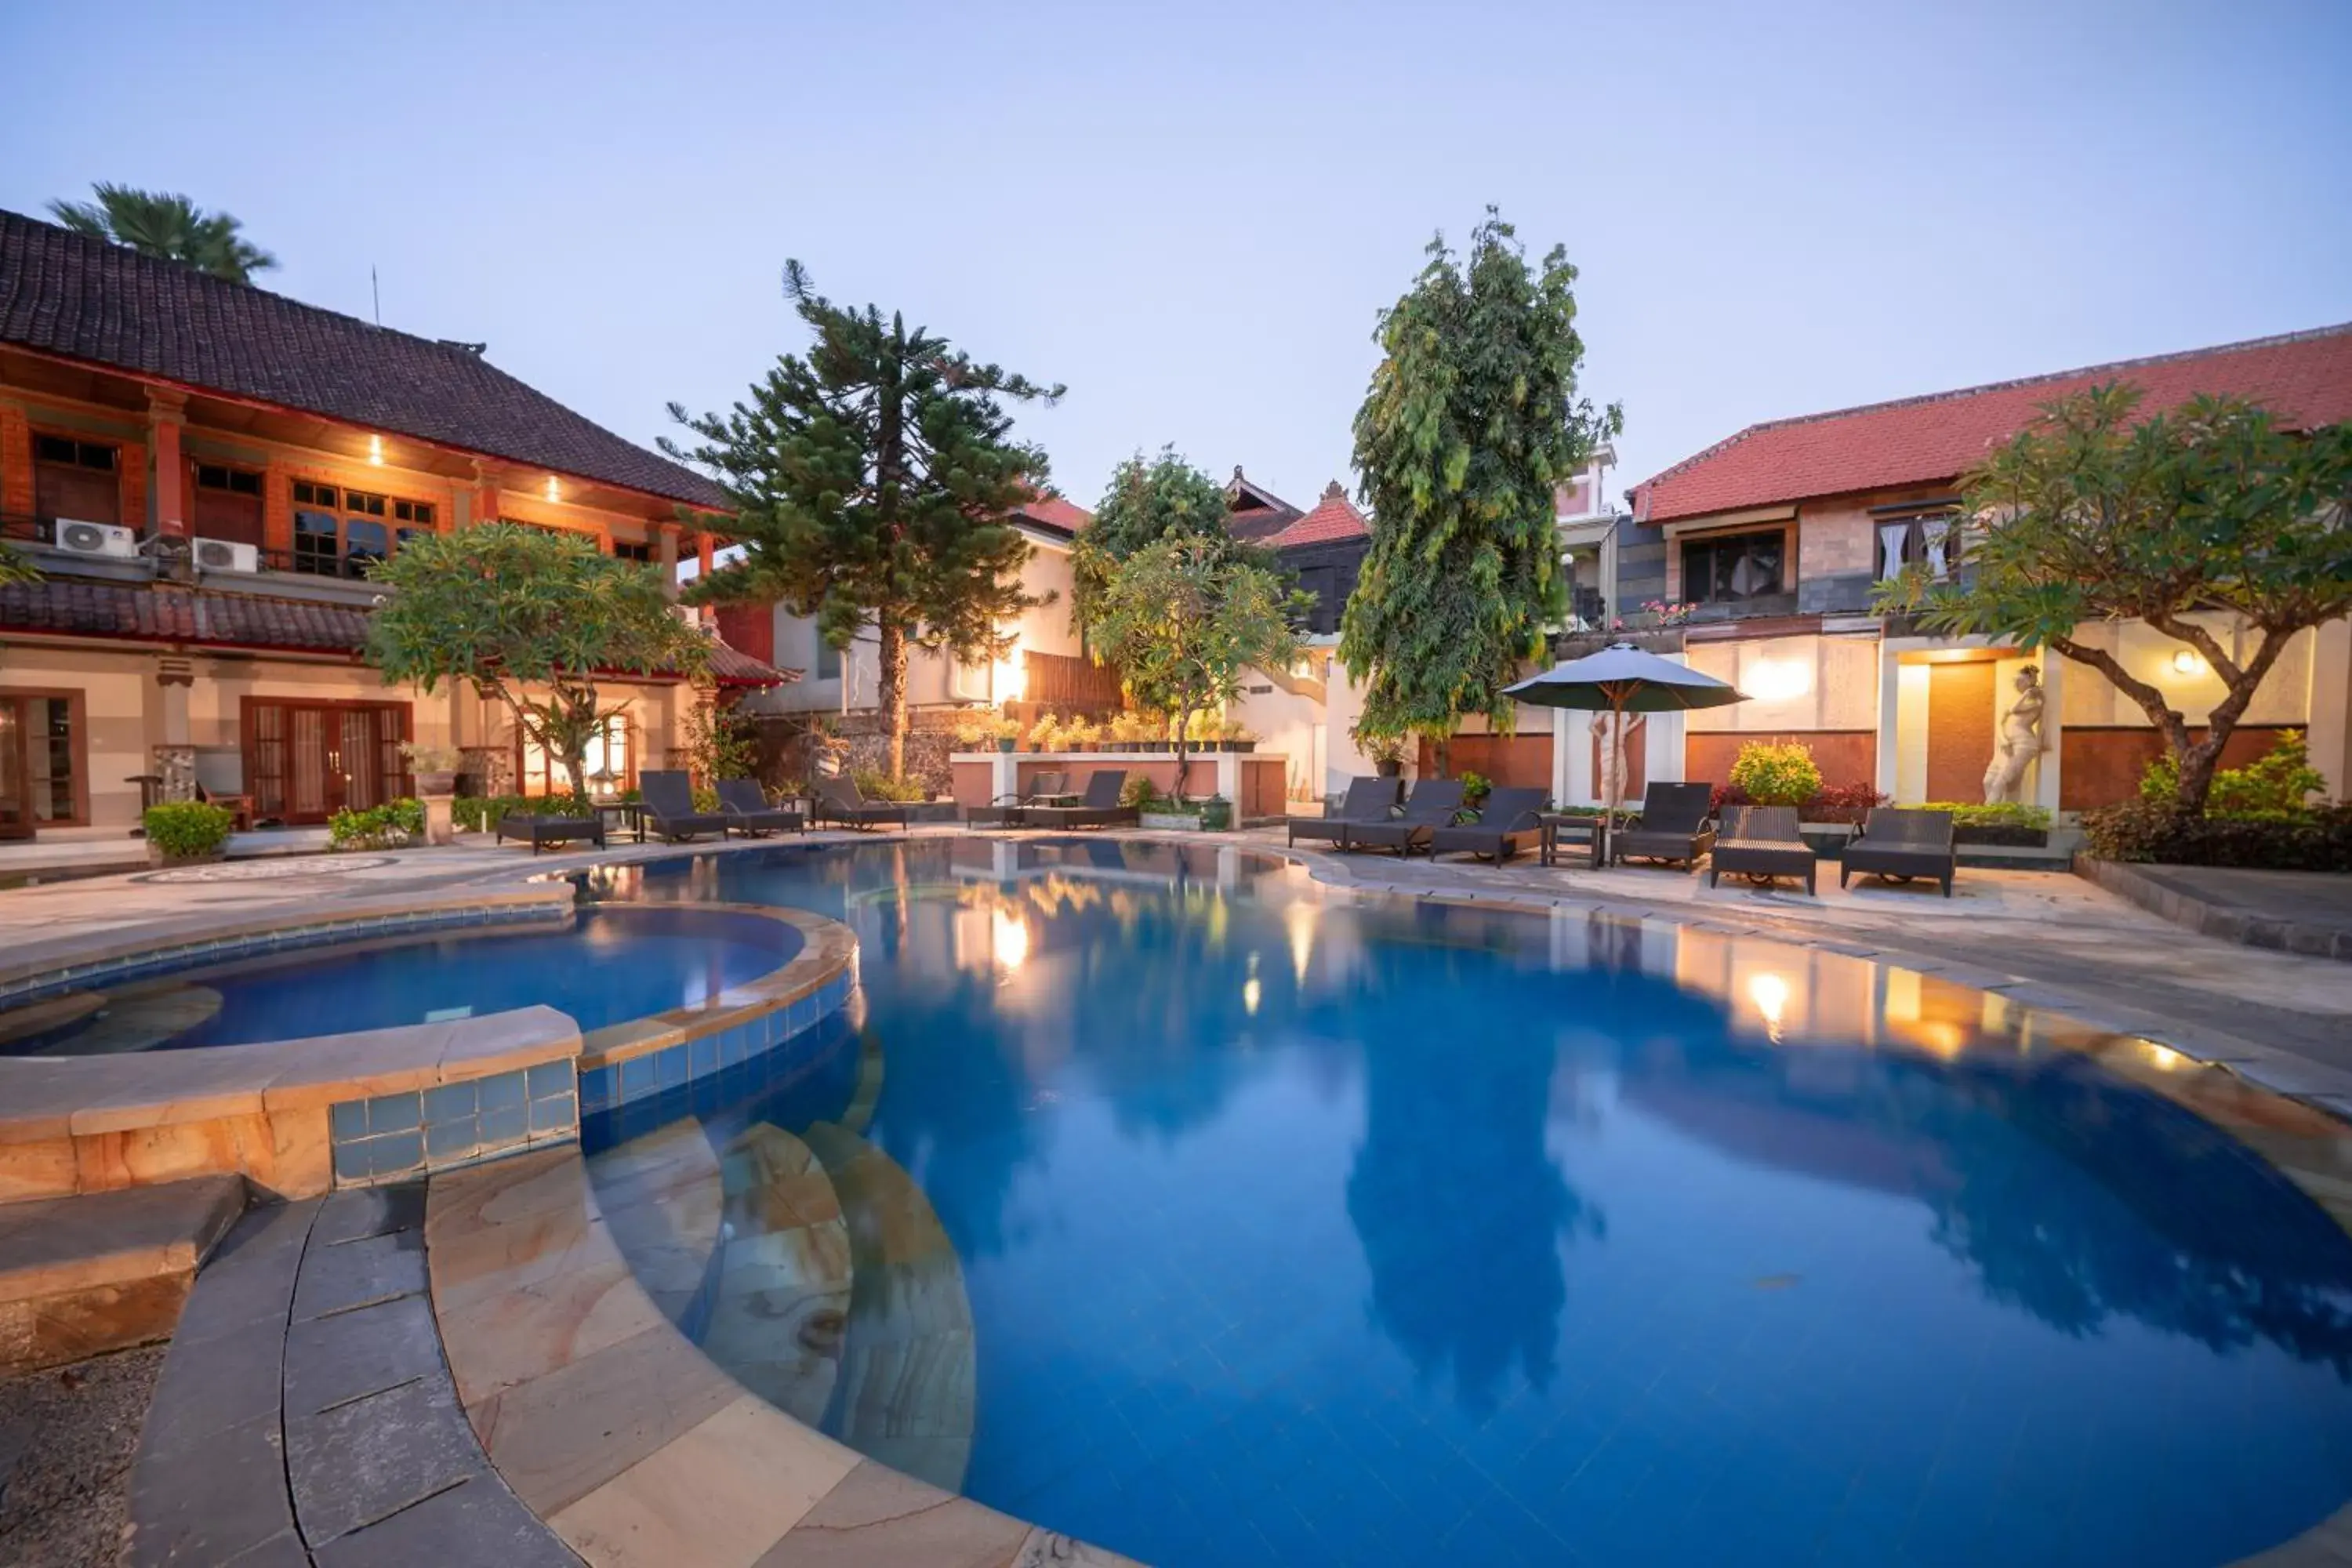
103, 1271
908, 1368
660, 1195
863, 1098
783, 1282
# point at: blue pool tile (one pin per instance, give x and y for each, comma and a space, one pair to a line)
703, 1054
451, 1102
731, 1048
509, 1124
800, 1014
354, 1161
395, 1153
556, 1113
596, 1088
637, 1077
348, 1120
550, 1077
451, 1139
669, 1067
393, 1112
505, 1090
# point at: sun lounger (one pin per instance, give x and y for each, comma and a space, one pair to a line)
841, 800
1674, 825
540, 831
748, 812
1509, 822
668, 797
1368, 800
1006, 809
1097, 808
1761, 842
1903, 844
1432, 804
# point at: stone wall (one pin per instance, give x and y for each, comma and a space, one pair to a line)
788, 750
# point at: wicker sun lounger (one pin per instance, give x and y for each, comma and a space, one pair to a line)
669, 806
540, 831
1368, 800
1903, 844
1004, 811
1432, 804
1509, 822
841, 800
1097, 808
1761, 842
1674, 825
748, 812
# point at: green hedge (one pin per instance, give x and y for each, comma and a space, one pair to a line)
482, 812
387, 827
186, 830
1997, 813
2318, 840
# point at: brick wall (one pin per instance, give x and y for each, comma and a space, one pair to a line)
15, 462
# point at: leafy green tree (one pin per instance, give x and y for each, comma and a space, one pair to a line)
1149, 500
166, 225
1180, 619
1471, 423
874, 482
2095, 513
15, 568
511, 609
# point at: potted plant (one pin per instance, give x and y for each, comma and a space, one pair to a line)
184, 832
1045, 734
1081, 734
434, 767
1386, 752
1239, 737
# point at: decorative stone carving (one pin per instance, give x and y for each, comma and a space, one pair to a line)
2020, 740
176, 767
490, 767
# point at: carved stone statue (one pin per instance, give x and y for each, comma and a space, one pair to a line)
2020, 740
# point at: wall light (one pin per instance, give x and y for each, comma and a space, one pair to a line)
2186, 662
1777, 679
375, 450
554, 490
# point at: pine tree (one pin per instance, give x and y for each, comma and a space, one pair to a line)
1471, 421
874, 481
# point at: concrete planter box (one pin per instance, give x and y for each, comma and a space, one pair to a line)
1171, 821
2013, 837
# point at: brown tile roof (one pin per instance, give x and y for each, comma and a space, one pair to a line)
1056, 514
211, 618
71, 295
2305, 376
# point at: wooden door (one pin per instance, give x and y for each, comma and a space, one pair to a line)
306, 760
1960, 728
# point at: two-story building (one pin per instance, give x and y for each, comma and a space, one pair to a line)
203, 471
1776, 537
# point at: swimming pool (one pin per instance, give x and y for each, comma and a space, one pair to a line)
1171, 1202
604, 966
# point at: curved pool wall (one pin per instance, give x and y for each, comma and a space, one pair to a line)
1301, 1226
299, 1116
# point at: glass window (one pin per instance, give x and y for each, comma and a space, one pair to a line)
828, 661
1730, 568
39, 765
624, 550
610, 769
413, 512
363, 542
316, 547
227, 480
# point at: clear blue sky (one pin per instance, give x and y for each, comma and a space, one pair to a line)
1190, 213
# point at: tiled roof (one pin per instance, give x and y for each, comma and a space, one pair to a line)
1333, 519
69, 294
211, 618
2306, 376
1057, 514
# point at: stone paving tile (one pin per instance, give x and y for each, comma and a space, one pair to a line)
372, 1211
212, 1501
364, 1461
475, 1521
332, 1360
375, 1268
250, 1275
877, 1518
284, 1550
231, 1380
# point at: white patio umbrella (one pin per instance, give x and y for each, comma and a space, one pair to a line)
1621, 679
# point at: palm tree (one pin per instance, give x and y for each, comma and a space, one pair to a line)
166, 225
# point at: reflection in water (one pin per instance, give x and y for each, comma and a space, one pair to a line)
1279, 1222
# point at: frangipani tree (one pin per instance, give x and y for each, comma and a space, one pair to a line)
532, 617
2095, 513
1180, 619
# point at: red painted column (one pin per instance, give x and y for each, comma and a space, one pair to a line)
171, 471
702, 551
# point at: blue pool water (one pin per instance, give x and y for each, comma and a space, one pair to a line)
1294, 1231
612, 965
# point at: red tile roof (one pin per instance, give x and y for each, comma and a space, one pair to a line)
2306, 376
80, 298
1057, 514
210, 617
1332, 519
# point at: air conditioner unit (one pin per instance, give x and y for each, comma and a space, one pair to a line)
227, 555
77, 538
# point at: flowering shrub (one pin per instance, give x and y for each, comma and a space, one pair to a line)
1771, 775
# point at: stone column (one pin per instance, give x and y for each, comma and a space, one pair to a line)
172, 748
2329, 729
1886, 778
666, 554
2053, 729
